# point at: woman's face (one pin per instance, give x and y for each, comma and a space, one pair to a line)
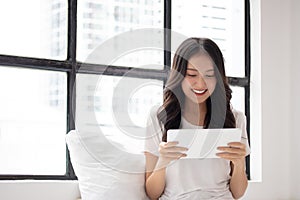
199, 81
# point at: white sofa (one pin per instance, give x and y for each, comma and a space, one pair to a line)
103, 171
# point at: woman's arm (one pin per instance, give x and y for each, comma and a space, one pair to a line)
155, 177
238, 181
236, 152
156, 167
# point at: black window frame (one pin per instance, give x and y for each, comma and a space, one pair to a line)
71, 67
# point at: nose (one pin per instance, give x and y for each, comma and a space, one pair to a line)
199, 83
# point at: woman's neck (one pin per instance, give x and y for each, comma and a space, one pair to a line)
194, 112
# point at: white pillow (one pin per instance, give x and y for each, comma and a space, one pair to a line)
105, 172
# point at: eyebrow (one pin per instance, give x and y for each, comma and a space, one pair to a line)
197, 70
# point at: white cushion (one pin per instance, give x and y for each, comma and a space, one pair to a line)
103, 171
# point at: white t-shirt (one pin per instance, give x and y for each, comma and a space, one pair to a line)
194, 178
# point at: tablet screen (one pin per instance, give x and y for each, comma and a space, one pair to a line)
203, 143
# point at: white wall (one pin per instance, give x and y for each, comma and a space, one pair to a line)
36, 190
295, 100
280, 72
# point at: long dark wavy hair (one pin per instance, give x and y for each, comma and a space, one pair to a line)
219, 113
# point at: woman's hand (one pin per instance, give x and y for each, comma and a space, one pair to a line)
169, 151
156, 167
235, 152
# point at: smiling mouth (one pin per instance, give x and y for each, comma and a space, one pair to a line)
199, 92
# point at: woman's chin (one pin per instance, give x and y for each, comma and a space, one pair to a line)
198, 100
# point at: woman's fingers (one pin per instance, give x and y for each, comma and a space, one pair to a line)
176, 149
230, 156
173, 155
168, 144
171, 150
233, 150
171, 146
237, 145
234, 147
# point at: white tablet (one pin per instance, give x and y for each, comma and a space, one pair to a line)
203, 143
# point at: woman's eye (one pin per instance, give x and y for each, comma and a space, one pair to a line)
192, 75
209, 75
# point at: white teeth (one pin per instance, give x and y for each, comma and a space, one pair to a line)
199, 91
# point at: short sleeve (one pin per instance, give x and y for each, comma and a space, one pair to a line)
153, 133
241, 123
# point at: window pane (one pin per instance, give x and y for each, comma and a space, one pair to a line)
100, 21
238, 98
221, 21
32, 121
34, 28
121, 107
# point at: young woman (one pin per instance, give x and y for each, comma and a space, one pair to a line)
197, 95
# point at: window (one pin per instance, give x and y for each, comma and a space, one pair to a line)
32, 121
50, 71
30, 29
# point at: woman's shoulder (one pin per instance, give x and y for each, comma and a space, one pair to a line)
239, 116
154, 109
238, 113
154, 121
153, 112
